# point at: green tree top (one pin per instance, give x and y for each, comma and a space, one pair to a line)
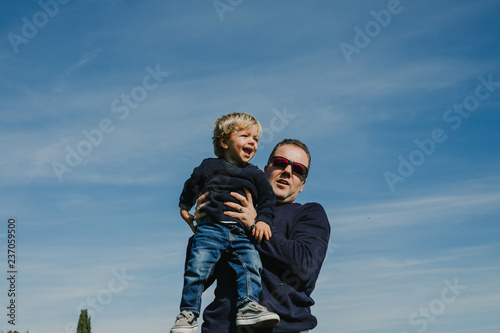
83, 322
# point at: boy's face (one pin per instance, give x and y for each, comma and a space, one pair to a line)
241, 145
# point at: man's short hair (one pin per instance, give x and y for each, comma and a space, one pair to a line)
229, 123
293, 142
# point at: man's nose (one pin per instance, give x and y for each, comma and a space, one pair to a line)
288, 169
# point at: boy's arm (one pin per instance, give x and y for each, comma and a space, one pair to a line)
191, 189
266, 199
265, 209
190, 193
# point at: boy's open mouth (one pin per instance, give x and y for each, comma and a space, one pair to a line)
248, 151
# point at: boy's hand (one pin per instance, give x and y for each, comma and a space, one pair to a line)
189, 219
261, 230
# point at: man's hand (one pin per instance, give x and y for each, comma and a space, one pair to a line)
189, 219
261, 230
199, 204
245, 212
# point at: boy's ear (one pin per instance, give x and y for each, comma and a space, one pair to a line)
223, 143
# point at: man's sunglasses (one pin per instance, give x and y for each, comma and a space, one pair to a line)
281, 162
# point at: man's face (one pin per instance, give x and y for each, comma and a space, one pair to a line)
285, 183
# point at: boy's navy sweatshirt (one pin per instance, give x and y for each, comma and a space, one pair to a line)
292, 260
220, 177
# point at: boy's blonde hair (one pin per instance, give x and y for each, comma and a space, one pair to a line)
229, 123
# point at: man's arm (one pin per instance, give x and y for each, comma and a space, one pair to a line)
301, 252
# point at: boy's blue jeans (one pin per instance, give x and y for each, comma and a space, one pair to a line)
210, 242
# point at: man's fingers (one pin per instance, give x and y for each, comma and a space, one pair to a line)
248, 196
203, 196
240, 198
199, 216
232, 214
203, 204
233, 205
201, 201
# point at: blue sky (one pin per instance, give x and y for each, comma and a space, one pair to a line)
107, 106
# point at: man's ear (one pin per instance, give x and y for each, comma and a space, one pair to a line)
301, 187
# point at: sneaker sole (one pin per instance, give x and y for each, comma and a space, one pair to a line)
261, 321
184, 330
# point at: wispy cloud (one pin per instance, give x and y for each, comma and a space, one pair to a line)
422, 211
63, 79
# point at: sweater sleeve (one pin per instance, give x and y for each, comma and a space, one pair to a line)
302, 251
266, 200
192, 187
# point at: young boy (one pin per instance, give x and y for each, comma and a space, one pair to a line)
235, 141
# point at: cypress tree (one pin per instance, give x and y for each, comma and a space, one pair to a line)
83, 322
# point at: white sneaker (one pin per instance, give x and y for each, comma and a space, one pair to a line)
254, 314
185, 322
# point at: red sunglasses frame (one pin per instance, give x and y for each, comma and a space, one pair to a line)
294, 165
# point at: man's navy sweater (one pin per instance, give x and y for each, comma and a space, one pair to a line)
220, 178
292, 260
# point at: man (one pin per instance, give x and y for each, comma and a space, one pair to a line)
292, 257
